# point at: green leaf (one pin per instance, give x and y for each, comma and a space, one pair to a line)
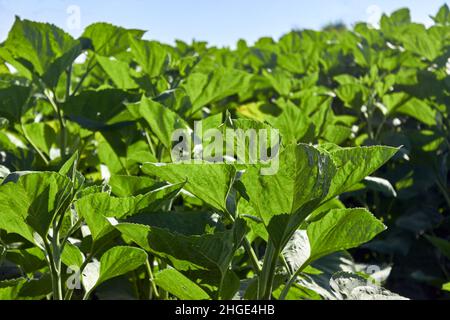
113, 263
336, 230
179, 285
124, 186
230, 286
109, 40
10, 289
284, 199
206, 257
341, 229
12, 102
446, 286
43, 135
281, 81
443, 16
30, 203
150, 55
381, 185
30, 260
161, 120
96, 109
354, 164
72, 256
97, 207
205, 88
120, 72
70, 166
183, 222
291, 122
199, 178
42, 48
419, 110
347, 286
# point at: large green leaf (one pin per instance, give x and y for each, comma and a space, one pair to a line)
150, 55
43, 135
443, 15
124, 186
12, 102
284, 199
119, 71
336, 230
96, 208
354, 164
30, 203
199, 179
204, 88
341, 229
179, 285
109, 40
42, 48
188, 223
292, 121
161, 120
97, 109
401, 103
10, 289
113, 263
204, 258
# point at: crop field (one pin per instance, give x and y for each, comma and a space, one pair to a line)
310, 167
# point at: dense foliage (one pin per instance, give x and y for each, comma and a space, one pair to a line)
88, 210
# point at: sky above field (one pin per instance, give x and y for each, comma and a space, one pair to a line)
219, 22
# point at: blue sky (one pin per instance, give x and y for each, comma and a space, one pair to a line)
219, 22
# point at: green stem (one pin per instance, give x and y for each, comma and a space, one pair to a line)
268, 272
380, 128
248, 248
61, 123
152, 280
291, 282
150, 144
68, 82
286, 265
56, 283
74, 228
253, 258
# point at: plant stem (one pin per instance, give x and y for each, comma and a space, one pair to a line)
253, 258
55, 276
149, 141
68, 82
291, 281
61, 123
152, 280
248, 248
268, 272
